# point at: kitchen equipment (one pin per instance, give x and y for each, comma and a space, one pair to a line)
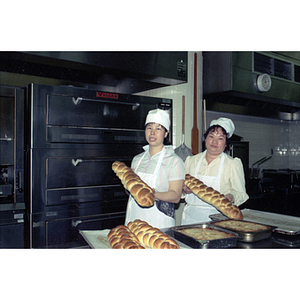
126, 72
177, 233
287, 225
246, 235
230, 83
12, 205
241, 150
183, 151
195, 131
97, 239
284, 186
255, 172
204, 115
11, 228
290, 241
283, 179
73, 136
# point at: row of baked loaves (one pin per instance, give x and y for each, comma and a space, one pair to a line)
139, 235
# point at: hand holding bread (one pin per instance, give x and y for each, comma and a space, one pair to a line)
141, 192
213, 197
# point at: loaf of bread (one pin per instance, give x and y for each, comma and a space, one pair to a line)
139, 235
150, 237
141, 192
120, 237
213, 197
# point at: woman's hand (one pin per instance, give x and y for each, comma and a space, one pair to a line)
230, 198
187, 190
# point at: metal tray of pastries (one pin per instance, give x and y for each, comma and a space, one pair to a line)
247, 231
200, 236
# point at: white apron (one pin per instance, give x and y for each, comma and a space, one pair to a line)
151, 215
196, 210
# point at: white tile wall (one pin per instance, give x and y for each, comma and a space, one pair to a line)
265, 135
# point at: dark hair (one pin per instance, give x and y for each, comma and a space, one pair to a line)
213, 128
166, 139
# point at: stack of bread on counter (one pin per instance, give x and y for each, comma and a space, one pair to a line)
139, 235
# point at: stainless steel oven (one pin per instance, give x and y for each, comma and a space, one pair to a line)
72, 137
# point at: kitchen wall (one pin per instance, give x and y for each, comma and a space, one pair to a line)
267, 135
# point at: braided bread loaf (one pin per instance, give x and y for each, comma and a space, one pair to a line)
139, 235
213, 197
142, 193
120, 237
151, 237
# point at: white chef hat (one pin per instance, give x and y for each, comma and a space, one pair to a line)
227, 124
159, 116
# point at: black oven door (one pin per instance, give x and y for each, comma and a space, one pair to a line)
60, 227
62, 116
65, 176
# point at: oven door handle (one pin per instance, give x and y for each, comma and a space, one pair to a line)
77, 222
77, 101
6, 139
77, 161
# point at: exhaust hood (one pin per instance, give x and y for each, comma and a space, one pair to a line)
263, 84
121, 72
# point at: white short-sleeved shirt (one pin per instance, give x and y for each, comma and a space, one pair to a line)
232, 178
172, 167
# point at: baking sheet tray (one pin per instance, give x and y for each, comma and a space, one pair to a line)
291, 241
248, 236
200, 244
97, 239
285, 224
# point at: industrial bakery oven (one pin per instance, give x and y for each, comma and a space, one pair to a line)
12, 206
73, 137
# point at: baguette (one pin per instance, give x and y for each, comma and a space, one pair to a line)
213, 197
141, 192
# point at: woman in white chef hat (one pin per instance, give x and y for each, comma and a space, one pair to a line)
215, 169
161, 169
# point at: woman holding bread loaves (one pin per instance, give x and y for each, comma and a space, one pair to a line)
215, 169
161, 169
